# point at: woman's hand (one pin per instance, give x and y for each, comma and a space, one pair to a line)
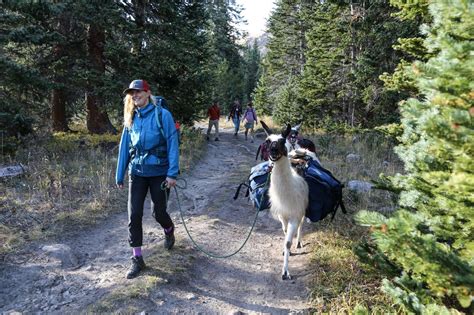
170, 182
120, 186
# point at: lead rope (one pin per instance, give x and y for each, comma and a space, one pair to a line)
163, 187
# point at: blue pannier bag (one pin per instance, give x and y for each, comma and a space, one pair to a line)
325, 192
257, 186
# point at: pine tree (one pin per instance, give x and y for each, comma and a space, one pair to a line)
262, 102
327, 69
38, 39
285, 59
56, 53
431, 237
252, 69
376, 30
288, 107
228, 66
410, 45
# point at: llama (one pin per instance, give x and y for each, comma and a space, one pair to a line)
293, 138
288, 193
293, 143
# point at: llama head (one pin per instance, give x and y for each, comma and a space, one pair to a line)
276, 143
293, 137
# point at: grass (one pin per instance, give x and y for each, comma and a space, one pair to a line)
144, 291
341, 283
128, 299
70, 183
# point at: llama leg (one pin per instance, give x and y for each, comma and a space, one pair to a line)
284, 226
285, 274
299, 244
284, 223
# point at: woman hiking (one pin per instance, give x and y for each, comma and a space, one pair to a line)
149, 148
250, 119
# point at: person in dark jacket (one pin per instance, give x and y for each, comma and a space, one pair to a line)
236, 114
214, 113
149, 148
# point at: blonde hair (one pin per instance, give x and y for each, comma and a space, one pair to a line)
129, 109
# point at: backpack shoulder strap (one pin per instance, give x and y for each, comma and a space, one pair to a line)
158, 115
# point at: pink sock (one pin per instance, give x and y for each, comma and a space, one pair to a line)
169, 230
137, 251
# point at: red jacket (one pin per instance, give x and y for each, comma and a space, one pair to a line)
214, 112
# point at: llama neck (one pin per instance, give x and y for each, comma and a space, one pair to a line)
282, 169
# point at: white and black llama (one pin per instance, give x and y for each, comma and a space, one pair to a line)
288, 193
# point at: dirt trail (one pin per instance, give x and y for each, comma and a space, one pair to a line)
76, 273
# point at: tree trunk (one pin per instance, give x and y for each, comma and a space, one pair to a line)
97, 119
58, 95
139, 13
352, 91
58, 110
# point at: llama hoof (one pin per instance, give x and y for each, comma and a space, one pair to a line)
285, 276
299, 245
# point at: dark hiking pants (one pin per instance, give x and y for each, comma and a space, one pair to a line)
138, 189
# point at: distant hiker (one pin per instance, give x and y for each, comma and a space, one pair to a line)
250, 118
214, 113
235, 114
149, 148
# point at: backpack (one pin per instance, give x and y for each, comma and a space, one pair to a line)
257, 184
161, 103
263, 151
325, 192
252, 111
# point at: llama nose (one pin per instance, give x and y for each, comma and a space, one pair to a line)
274, 150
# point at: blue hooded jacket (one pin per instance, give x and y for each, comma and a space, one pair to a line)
145, 150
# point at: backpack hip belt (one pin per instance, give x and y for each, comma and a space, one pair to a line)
159, 152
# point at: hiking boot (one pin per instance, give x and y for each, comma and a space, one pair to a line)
169, 240
207, 138
216, 139
138, 264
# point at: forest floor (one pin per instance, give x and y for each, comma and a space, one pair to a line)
84, 270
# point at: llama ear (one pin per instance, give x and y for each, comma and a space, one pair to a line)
285, 133
265, 127
298, 126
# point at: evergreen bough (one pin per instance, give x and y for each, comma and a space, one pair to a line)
429, 241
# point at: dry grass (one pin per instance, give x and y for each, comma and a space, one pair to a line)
342, 285
70, 183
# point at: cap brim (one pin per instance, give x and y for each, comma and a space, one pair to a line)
128, 90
